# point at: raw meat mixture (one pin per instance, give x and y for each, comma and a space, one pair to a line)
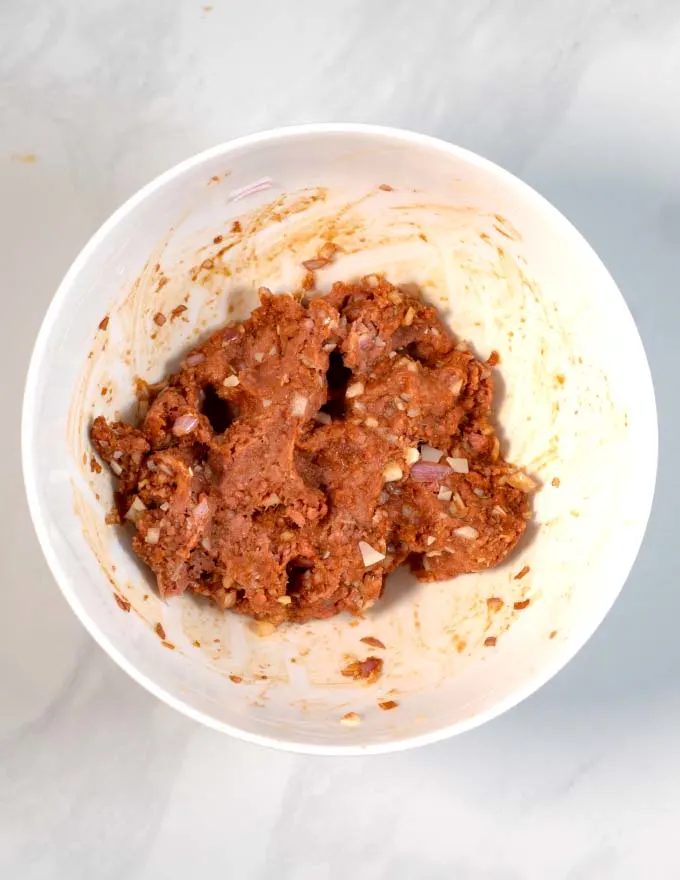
298, 458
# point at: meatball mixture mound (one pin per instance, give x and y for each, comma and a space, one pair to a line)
297, 458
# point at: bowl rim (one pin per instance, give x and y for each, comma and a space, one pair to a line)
28, 426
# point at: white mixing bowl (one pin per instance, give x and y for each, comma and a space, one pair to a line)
508, 272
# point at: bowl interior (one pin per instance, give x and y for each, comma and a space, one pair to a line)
574, 402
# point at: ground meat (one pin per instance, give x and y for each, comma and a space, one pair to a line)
279, 471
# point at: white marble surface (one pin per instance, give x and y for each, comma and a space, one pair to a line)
97, 778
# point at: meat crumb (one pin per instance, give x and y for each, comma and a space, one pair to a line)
196, 643
386, 187
121, 602
168, 645
520, 606
95, 467
104, 323
236, 679
520, 574
493, 359
160, 632
555, 482
159, 318
351, 719
236, 226
177, 311
368, 670
490, 641
342, 501
386, 705
218, 239
372, 641
494, 603
553, 634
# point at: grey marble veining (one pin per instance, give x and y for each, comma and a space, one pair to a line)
98, 779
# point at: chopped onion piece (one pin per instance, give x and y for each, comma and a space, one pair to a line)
230, 382
259, 357
327, 251
459, 465
430, 540
392, 472
257, 186
272, 500
313, 265
323, 418
266, 403
466, 532
409, 316
284, 600
185, 424
136, 509
369, 554
202, 508
444, 494
298, 405
195, 359
355, 390
206, 543
429, 453
456, 387
152, 535
428, 471
116, 468
370, 422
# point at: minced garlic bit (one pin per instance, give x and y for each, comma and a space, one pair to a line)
355, 390
459, 465
369, 554
392, 472
412, 455
136, 509
230, 382
466, 532
351, 719
298, 405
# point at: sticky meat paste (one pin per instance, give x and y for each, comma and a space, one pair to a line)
296, 459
